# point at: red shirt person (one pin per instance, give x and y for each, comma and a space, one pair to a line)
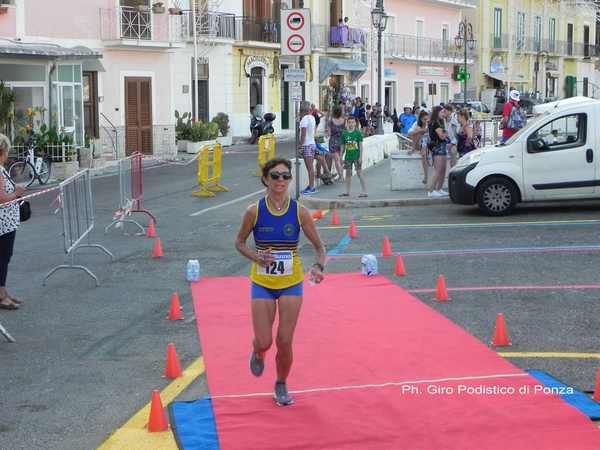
514, 98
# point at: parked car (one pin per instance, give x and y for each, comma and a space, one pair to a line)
554, 157
479, 110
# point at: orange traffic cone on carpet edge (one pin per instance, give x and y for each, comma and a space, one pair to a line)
387, 247
441, 293
597, 390
157, 249
352, 230
500, 338
400, 270
175, 309
151, 232
158, 420
335, 220
172, 368
317, 215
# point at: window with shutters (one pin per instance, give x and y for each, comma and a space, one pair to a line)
138, 115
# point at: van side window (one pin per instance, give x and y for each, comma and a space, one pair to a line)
563, 133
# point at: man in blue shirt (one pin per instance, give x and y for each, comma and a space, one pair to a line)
407, 119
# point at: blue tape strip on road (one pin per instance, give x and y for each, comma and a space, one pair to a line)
193, 424
340, 247
577, 399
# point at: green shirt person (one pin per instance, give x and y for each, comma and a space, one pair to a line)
352, 149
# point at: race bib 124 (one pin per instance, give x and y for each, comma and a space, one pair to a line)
281, 265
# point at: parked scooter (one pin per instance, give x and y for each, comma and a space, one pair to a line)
260, 126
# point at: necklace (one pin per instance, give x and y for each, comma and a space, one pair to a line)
274, 205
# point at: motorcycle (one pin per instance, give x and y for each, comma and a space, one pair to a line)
259, 126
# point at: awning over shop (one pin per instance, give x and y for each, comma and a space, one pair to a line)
329, 66
502, 77
12, 48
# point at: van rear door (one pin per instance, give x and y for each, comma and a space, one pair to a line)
559, 158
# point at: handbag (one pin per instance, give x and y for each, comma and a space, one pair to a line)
24, 211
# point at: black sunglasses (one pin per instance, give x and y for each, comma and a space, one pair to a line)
278, 175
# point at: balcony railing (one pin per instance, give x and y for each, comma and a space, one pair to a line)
528, 44
460, 3
400, 46
211, 25
324, 36
135, 24
253, 29
500, 42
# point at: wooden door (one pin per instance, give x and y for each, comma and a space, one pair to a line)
138, 115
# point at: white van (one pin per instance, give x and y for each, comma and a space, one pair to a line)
556, 156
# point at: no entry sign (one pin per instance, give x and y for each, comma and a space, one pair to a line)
295, 32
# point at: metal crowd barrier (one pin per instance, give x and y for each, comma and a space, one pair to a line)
209, 171
131, 193
77, 211
489, 130
266, 151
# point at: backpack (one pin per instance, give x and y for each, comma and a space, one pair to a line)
516, 119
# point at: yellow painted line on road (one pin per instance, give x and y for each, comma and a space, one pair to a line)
472, 224
133, 435
550, 355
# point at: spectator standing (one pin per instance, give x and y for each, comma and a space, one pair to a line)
9, 223
335, 128
465, 137
407, 120
419, 133
513, 117
438, 145
352, 148
308, 145
452, 126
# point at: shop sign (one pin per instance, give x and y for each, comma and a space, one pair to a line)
496, 65
389, 73
256, 61
432, 71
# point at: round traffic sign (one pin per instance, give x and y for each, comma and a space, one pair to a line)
295, 21
295, 43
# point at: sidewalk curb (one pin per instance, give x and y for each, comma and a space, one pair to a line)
325, 203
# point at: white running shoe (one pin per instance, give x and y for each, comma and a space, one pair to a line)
434, 194
443, 193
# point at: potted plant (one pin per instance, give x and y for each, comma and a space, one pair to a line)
7, 100
175, 11
222, 121
183, 130
202, 134
158, 8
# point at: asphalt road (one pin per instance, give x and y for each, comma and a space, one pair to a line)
87, 358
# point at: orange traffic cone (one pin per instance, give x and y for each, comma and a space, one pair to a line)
597, 390
387, 247
335, 220
175, 310
158, 419
151, 233
157, 249
172, 368
352, 231
500, 338
317, 215
441, 293
400, 270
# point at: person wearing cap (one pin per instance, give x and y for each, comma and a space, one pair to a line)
407, 119
508, 126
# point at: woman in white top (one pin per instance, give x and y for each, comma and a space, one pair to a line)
9, 222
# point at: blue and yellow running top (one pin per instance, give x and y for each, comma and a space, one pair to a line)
278, 232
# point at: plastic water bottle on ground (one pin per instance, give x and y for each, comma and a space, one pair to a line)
193, 270
368, 265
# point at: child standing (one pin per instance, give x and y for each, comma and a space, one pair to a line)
352, 149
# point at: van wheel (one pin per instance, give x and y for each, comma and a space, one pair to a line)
497, 196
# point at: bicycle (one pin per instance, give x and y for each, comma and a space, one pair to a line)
26, 170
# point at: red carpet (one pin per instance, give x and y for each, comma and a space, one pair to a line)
357, 331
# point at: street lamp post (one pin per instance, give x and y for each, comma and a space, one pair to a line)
379, 19
464, 39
